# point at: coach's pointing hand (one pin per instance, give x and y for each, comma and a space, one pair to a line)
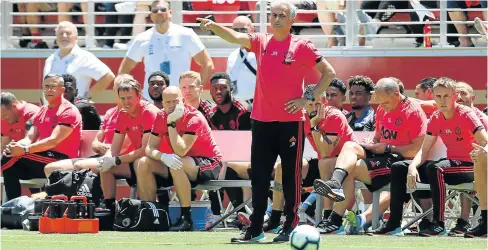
205, 24
296, 105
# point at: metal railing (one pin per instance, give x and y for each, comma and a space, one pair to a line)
351, 35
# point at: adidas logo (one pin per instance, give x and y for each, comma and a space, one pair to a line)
84, 191
156, 221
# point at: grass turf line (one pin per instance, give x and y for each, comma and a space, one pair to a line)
24, 240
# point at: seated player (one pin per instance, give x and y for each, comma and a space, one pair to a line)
102, 142
335, 94
458, 127
135, 121
16, 118
400, 128
55, 135
191, 87
89, 114
229, 114
182, 151
157, 81
479, 155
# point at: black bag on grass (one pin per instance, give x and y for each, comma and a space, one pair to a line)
136, 215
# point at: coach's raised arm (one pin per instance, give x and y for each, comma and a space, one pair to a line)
282, 62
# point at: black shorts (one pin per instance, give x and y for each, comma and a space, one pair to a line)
312, 174
132, 179
209, 170
379, 168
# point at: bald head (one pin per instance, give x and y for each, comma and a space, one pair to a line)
387, 85
171, 97
241, 22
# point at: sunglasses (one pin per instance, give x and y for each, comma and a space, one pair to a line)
242, 30
156, 10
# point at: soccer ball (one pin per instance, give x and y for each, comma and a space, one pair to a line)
305, 237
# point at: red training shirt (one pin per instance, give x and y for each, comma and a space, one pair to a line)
16, 131
65, 114
456, 133
135, 127
193, 123
335, 124
483, 118
400, 126
281, 68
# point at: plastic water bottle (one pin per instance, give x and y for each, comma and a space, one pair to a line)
427, 33
208, 216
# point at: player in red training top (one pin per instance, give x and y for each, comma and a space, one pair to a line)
283, 60
327, 133
102, 141
55, 135
16, 118
180, 150
335, 94
400, 128
135, 120
191, 86
458, 126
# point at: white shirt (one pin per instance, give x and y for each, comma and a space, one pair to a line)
83, 65
243, 80
177, 47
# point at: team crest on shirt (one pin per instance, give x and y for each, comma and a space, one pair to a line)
288, 58
398, 121
232, 124
221, 127
458, 131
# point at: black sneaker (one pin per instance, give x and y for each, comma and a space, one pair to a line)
329, 227
435, 229
330, 189
461, 227
424, 224
479, 231
248, 237
284, 235
386, 229
182, 225
23, 43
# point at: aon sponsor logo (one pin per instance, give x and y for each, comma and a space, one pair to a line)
388, 134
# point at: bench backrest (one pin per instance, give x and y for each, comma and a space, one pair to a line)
236, 145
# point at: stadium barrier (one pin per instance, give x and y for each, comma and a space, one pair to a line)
219, 9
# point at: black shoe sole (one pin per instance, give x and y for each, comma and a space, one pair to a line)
323, 189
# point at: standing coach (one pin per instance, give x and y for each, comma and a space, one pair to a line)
283, 60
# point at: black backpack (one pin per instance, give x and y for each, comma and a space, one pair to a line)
77, 182
136, 215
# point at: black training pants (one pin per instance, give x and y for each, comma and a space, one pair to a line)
270, 140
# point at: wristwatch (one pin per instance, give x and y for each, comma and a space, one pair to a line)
315, 128
117, 160
309, 96
388, 149
172, 124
